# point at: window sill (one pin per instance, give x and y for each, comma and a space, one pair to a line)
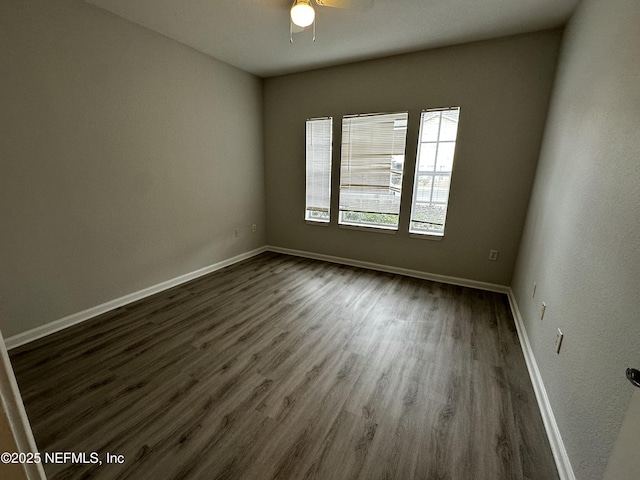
316, 223
388, 231
427, 236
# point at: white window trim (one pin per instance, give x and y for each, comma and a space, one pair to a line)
367, 228
345, 168
317, 204
431, 235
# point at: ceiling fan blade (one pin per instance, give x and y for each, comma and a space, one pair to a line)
350, 4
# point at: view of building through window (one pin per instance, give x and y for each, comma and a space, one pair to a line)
434, 166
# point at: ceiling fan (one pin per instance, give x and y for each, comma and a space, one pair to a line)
302, 14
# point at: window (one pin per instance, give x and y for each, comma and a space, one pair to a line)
436, 147
371, 164
318, 176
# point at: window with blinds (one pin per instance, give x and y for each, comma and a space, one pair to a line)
318, 173
371, 165
434, 165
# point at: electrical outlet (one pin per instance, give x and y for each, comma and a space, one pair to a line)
542, 310
254, 228
493, 255
533, 293
559, 337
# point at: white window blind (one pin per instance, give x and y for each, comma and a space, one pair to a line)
434, 166
371, 164
318, 173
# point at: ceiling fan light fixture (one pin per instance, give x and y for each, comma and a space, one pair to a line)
302, 13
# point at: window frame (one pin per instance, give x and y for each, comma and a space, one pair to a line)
354, 165
325, 172
433, 233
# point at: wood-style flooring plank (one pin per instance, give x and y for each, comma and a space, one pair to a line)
281, 367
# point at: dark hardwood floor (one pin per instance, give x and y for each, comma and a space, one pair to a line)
289, 368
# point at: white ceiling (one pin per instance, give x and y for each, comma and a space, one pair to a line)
254, 34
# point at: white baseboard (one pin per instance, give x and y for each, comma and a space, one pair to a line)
463, 282
16, 416
61, 324
557, 445
565, 471
553, 433
73, 319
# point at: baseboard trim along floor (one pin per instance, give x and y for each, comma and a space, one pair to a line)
75, 318
287, 367
565, 470
462, 282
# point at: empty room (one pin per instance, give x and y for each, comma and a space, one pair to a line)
329, 239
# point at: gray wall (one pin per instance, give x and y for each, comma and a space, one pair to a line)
126, 160
581, 243
502, 87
